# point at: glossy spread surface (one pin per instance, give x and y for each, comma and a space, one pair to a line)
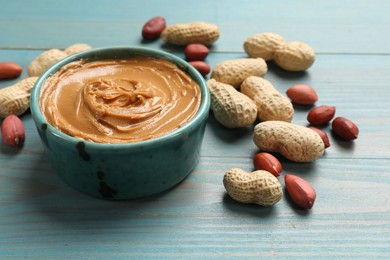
119, 101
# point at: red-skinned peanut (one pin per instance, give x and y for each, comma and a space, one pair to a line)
196, 52
12, 131
301, 192
321, 115
153, 28
9, 70
345, 128
302, 94
268, 162
201, 66
323, 135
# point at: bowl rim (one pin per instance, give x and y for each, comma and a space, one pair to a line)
133, 51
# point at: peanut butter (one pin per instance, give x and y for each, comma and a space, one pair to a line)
119, 101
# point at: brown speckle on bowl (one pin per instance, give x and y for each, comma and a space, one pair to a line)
105, 190
43, 135
83, 154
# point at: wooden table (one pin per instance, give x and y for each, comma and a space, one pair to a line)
41, 217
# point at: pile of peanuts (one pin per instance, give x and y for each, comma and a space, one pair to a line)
240, 96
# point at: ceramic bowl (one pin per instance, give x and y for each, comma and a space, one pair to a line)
130, 170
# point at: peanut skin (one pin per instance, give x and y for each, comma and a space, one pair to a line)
267, 162
302, 94
196, 52
296, 143
345, 128
10, 70
301, 192
12, 131
201, 66
153, 28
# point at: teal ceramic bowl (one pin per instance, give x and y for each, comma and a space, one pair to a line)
130, 170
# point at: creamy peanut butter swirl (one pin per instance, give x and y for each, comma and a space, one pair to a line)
119, 101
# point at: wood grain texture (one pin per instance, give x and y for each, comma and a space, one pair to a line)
42, 218
331, 26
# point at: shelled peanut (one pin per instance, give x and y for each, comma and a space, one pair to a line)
302, 94
153, 28
10, 70
322, 134
345, 128
13, 131
202, 67
267, 162
321, 115
300, 191
196, 52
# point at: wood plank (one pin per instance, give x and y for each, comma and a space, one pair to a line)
41, 217
360, 93
198, 218
331, 27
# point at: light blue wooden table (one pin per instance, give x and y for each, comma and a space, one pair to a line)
41, 217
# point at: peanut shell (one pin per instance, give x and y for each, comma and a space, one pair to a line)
271, 104
263, 45
184, 34
294, 56
230, 107
15, 99
235, 71
44, 61
296, 143
259, 187
77, 47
